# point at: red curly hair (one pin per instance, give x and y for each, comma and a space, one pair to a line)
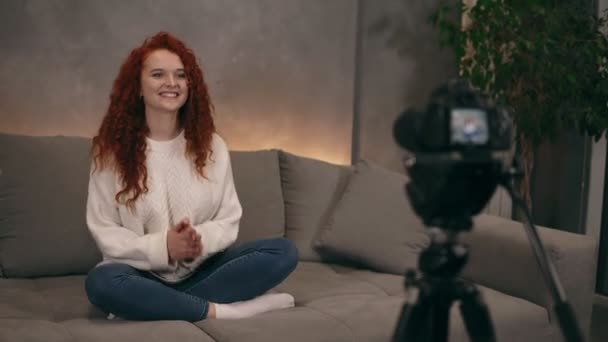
121, 140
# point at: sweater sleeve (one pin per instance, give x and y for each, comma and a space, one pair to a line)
222, 229
117, 243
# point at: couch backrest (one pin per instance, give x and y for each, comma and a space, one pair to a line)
43, 194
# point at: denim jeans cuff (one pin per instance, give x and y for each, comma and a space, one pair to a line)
205, 310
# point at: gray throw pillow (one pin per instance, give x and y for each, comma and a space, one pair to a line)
311, 189
373, 223
257, 181
43, 195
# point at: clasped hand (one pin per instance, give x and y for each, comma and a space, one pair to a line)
183, 242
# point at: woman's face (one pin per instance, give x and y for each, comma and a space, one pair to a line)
164, 85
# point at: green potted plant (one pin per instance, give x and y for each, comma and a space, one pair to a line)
545, 59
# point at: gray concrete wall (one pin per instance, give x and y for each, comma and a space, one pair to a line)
596, 177
395, 80
595, 203
280, 72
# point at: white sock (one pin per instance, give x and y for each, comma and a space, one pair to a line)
257, 305
111, 316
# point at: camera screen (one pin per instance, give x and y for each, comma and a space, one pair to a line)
469, 126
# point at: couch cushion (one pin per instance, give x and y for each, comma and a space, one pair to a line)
20, 299
333, 303
341, 304
373, 223
32, 330
102, 330
312, 280
299, 324
368, 317
310, 190
54, 299
258, 184
43, 192
368, 304
514, 319
390, 284
373, 318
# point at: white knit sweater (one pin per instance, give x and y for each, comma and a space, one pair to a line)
176, 191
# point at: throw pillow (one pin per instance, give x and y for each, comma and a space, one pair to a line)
311, 189
373, 223
257, 181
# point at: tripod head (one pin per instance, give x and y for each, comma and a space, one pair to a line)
447, 195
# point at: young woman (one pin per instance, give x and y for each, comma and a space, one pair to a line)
162, 206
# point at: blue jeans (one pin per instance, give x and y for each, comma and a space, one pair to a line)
237, 274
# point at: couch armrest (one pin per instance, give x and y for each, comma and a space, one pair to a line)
501, 258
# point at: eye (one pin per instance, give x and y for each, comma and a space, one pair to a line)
181, 75
157, 74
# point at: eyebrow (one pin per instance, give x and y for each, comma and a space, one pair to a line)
160, 69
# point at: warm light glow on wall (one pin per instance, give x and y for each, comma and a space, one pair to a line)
332, 148
319, 130
335, 152
315, 152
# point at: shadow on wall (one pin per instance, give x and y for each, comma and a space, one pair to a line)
411, 35
402, 64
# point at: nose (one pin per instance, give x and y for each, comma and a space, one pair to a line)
171, 81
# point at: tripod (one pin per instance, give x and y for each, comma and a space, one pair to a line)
426, 317
436, 291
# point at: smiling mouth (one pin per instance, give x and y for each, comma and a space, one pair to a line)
169, 94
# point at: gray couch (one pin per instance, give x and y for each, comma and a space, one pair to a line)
354, 229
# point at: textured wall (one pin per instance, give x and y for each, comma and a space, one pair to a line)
596, 175
280, 72
392, 81
396, 79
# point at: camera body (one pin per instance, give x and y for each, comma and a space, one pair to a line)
459, 145
457, 118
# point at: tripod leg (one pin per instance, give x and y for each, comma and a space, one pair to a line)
413, 323
441, 316
476, 315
